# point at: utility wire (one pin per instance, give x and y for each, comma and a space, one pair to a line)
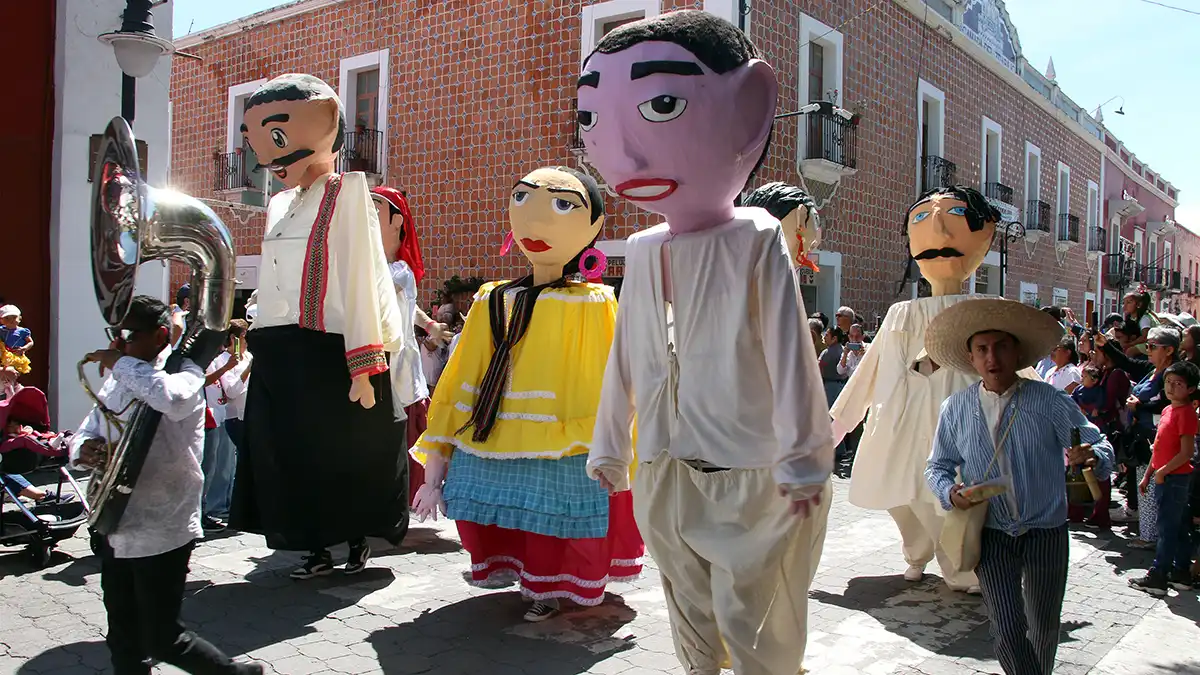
841, 25
1177, 9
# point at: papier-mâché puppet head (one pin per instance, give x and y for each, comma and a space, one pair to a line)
398, 230
676, 114
949, 232
555, 215
296, 125
797, 212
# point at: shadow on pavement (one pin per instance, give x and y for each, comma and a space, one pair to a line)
498, 642
419, 541
77, 657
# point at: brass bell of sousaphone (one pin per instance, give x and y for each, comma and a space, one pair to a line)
134, 223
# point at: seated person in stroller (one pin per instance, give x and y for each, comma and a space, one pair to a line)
26, 441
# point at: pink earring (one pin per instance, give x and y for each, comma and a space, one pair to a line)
508, 243
592, 264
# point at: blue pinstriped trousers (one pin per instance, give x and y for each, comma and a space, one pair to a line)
1023, 580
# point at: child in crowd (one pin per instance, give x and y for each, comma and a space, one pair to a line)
1091, 396
16, 339
1171, 470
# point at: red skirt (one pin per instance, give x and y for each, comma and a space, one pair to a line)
549, 567
418, 415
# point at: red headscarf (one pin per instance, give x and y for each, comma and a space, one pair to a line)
410, 248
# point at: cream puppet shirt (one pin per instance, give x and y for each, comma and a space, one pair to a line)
899, 393
408, 378
323, 268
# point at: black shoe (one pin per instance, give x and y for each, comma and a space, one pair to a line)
248, 668
1154, 583
212, 524
357, 560
316, 564
55, 498
1180, 580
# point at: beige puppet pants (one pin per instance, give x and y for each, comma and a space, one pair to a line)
735, 565
920, 526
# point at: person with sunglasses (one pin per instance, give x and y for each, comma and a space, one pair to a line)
144, 562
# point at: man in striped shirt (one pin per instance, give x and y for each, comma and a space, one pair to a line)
1009, 437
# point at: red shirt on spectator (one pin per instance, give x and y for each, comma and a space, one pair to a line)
1176, 421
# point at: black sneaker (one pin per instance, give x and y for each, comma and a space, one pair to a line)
1180, 580
357, 560
315, 565
56, 498
540, 611
1154, 583
212, 524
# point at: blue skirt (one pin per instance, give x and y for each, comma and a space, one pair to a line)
552, 497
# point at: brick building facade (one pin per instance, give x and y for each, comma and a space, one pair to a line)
468, 96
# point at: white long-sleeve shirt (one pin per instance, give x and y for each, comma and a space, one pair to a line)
163, 512
408, 378
323, 268
748, 393
230, 387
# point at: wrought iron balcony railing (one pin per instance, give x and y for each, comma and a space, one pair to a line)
1174, 281
936, 172
1097, 239
1153, 277
1118, 270
998, 191
363, 151
1068, 227
831, 137
1037, 216
230, 173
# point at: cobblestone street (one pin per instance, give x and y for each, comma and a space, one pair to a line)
411, 612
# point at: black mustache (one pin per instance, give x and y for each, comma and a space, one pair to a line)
287, 160
932, 253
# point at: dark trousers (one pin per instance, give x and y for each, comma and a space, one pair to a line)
143, 597
1174, 550
235, 428
1023, 580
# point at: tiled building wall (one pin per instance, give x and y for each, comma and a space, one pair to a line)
481, 92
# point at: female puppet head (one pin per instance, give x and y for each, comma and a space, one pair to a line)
797, 212
555, 215
296, 125
949, 232
397, 229
676, 113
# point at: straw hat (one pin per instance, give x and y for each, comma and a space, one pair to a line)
946, 338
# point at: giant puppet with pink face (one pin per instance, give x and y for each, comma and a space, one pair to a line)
733, 451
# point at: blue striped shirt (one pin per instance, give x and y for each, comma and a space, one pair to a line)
1033, 454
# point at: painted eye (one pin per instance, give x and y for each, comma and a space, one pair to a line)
562, 206
958, 211
586, 119
279, 138
662, 108
920, 216
520, 197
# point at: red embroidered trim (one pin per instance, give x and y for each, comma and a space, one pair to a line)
368, 360
315, 277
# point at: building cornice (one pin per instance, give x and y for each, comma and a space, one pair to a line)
946, 28
1115, 159
253, 21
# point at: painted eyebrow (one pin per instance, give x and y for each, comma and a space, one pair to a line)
591, 79
568, 191
281, 117
646, 68
526, 183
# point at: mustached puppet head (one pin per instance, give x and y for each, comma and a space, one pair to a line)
296, 125
949, 232
398, 230
797, 212
676, 113
555, 215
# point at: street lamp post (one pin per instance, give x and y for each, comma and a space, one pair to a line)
137, 49
1011, 232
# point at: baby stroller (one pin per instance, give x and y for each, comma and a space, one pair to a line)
32, 447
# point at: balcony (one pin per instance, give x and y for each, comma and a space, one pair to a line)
830, 144
1097, 239
363, 152
936, 172
1154, 278
1038, 216
1118, 270
1068, 228
1174, 281
999, 192
1188, 287
229, 172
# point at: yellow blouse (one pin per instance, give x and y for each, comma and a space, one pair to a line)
549, 404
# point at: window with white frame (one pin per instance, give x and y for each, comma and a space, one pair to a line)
820, 62
931, 134
982, 280
601, 18
1033, 184
1094, 236
1110, 303
1029, 293
1138, 239
1063, 197
1059, 297
363, 88
990, 154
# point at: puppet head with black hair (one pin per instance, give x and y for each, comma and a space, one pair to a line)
676, 114
296, 125
398, 229
949, 232
797, 212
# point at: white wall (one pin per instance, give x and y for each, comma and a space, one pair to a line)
88, 88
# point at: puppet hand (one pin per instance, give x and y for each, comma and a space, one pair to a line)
438, 332
428, 503
804, 502
362, 392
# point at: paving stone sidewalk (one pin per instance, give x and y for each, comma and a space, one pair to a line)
411, 612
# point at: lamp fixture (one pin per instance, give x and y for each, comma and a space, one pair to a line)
136, 46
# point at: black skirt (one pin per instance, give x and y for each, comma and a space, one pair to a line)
316, 469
